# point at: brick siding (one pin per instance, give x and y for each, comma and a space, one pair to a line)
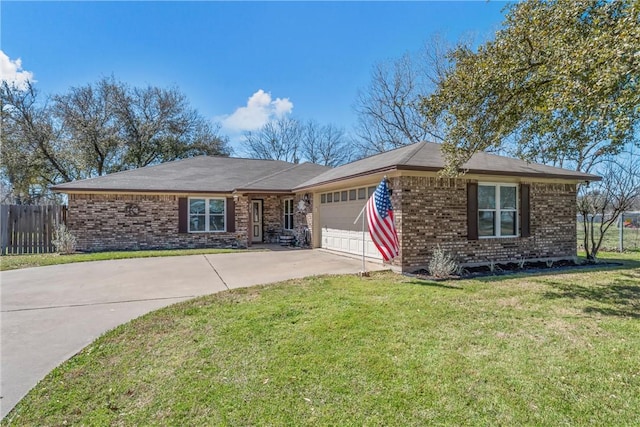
130, 222
431, 211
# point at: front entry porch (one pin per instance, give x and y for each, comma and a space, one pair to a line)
275, 218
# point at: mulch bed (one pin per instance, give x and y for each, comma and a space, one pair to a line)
501, 269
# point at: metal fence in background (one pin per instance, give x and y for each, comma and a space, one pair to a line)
623, 235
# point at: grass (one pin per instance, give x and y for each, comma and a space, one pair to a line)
557, 349
12, 262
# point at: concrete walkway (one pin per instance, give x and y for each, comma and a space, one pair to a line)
51, 313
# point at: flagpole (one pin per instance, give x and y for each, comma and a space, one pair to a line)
364, 271
381, 224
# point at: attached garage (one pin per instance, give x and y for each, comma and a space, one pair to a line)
337, 213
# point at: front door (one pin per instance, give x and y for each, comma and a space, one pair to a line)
256, 221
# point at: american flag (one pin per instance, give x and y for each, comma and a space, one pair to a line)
380, 221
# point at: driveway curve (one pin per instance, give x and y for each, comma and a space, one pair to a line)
51, 313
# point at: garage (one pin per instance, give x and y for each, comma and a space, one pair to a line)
338, 210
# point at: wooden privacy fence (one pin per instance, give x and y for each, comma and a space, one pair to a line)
27, 229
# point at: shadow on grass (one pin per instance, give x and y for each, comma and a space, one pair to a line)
620, 298
431, 283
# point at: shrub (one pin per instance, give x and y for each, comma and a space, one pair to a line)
63, 240
442, 264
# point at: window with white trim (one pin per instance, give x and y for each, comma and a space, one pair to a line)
497, 210
288, 214
207, 215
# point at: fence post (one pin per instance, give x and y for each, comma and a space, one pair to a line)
4, 229
621, 234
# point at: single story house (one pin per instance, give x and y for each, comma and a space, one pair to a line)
499, 210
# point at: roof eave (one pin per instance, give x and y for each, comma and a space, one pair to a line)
263, 191
581, 177
135, 191
180, 191
356, 175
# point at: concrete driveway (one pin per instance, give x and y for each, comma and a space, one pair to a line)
51, 313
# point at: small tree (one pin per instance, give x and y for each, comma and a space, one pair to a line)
606, 200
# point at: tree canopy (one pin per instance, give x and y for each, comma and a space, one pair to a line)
290, 140
92, 130
558, 84
388, 108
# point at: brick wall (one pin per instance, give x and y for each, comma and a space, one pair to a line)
431, 211
130, 222
273, 213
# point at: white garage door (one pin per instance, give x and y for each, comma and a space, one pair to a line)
339, 233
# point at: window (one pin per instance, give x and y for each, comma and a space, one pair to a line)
497, 210
343, 196
329, 197
362, 193
336, 196
206, 215
352, 195
371, 190
323, 198
288, 214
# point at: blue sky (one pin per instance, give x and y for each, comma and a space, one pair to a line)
308, 58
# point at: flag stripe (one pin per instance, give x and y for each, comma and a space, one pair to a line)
381, 225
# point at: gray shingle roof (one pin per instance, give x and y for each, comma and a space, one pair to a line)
209, 174
428, 157
203, 174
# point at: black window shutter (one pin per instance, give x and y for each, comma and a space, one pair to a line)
231, 215
183, 215
472, 211
525, 220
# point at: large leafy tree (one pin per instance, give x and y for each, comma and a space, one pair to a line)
158, 125
32, 155
558, 84
90, 125
95, 129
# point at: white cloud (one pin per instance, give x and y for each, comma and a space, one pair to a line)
282, 106
12, 72
260, 109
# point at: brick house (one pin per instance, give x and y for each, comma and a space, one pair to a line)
501, 209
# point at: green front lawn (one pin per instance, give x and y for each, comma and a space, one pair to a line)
557, 349
12, 262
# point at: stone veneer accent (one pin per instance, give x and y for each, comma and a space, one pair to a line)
130, 222
431, 211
